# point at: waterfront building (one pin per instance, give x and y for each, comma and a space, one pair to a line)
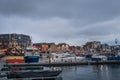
72, 49
105, 48
92, 46
41, 46
14, 40
62, 47
52, 47
76, 49
58, 48
46, 47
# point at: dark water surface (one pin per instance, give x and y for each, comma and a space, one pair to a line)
91, 72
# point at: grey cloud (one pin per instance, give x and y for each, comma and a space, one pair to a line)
103, 28
90, 10
72, 21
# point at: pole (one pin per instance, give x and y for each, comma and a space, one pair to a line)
116, 41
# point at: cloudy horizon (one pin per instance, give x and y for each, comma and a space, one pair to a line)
74, 22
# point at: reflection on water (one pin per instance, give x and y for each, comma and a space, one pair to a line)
102, 72
100, 68
91, 72
59, 78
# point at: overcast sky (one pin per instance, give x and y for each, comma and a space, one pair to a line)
72, 21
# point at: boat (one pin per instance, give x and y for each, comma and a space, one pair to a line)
14, 55
97, 57
29, 72
88, 54
31, 55
65, 57
33, 74
111, 58
22, 68
114, 57
14, 59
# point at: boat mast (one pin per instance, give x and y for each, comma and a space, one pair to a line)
116, 41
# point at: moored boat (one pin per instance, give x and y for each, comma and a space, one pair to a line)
66, 57
97, 57
110, 58
22, 68
31, 55
14, 55
29, 72
33, 74
14, 59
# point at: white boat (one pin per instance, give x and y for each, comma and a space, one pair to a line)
97, 57
65, 57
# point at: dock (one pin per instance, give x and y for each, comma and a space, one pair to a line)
55, 64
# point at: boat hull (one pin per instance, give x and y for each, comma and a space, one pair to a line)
15, 59
31, 59
33, 74
113, 58
96, 59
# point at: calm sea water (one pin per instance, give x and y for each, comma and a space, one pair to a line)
91, 72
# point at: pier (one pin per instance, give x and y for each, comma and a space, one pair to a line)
55, 64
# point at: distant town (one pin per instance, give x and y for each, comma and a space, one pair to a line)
19, 49
18, 43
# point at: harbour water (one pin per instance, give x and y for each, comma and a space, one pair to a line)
91, 72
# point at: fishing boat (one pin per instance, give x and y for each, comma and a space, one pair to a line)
14, 55
14, 59
31, 55
97, 57
66, 57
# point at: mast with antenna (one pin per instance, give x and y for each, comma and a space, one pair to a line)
116, 41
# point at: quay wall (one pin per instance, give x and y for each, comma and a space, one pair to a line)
66, 63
